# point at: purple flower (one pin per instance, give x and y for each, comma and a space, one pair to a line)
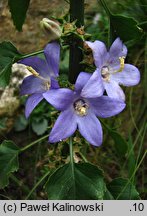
80, 112
43, 78
112, 69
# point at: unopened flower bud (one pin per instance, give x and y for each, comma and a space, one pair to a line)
51, 28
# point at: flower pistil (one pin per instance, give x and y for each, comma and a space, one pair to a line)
31, 70
122, 64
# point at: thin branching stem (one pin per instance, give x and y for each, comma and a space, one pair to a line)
32, 54
37, 184
72, 160
71, 152
33, 143
141, 160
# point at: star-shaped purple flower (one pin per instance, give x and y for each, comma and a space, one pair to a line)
112, 69
43, 78
80, 112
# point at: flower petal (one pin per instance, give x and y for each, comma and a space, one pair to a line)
94, 87
99, 52
114, 90
90, 128
105, 106
82, 79
54, 83
130, 76
59, 98
64, 126
31, 85
52, 54
117, 49
31, 103
38, 64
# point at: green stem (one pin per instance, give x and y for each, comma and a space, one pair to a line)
37, 151
33, 143
132, 174
72, 161
32, 54
132, 148
141, 145
109, 13
37, 184
145, 72
83, 157
131, 111
19, 183
5, 197
76, 44
103, 3
71, 151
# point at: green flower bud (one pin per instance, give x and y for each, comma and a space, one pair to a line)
51, 28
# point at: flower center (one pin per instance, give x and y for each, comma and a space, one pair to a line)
47, 85
105, 73
81, 107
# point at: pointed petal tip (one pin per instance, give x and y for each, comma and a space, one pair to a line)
21, 92
82, 79
52, 55
51, 140
98, 144
32, 101
94, 87
90, 128
130, 76
27, 114
114, 91
64, 126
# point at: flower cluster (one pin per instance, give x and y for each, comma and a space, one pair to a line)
80, 107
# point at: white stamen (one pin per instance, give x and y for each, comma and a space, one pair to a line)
47, 82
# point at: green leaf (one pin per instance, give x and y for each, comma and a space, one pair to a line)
8, 50
122, 189
120, 143
39, 126
108, 195
124, 27
83, 181
21, 123
121, 26
8, 55
18, 9
8, 161
5, 75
